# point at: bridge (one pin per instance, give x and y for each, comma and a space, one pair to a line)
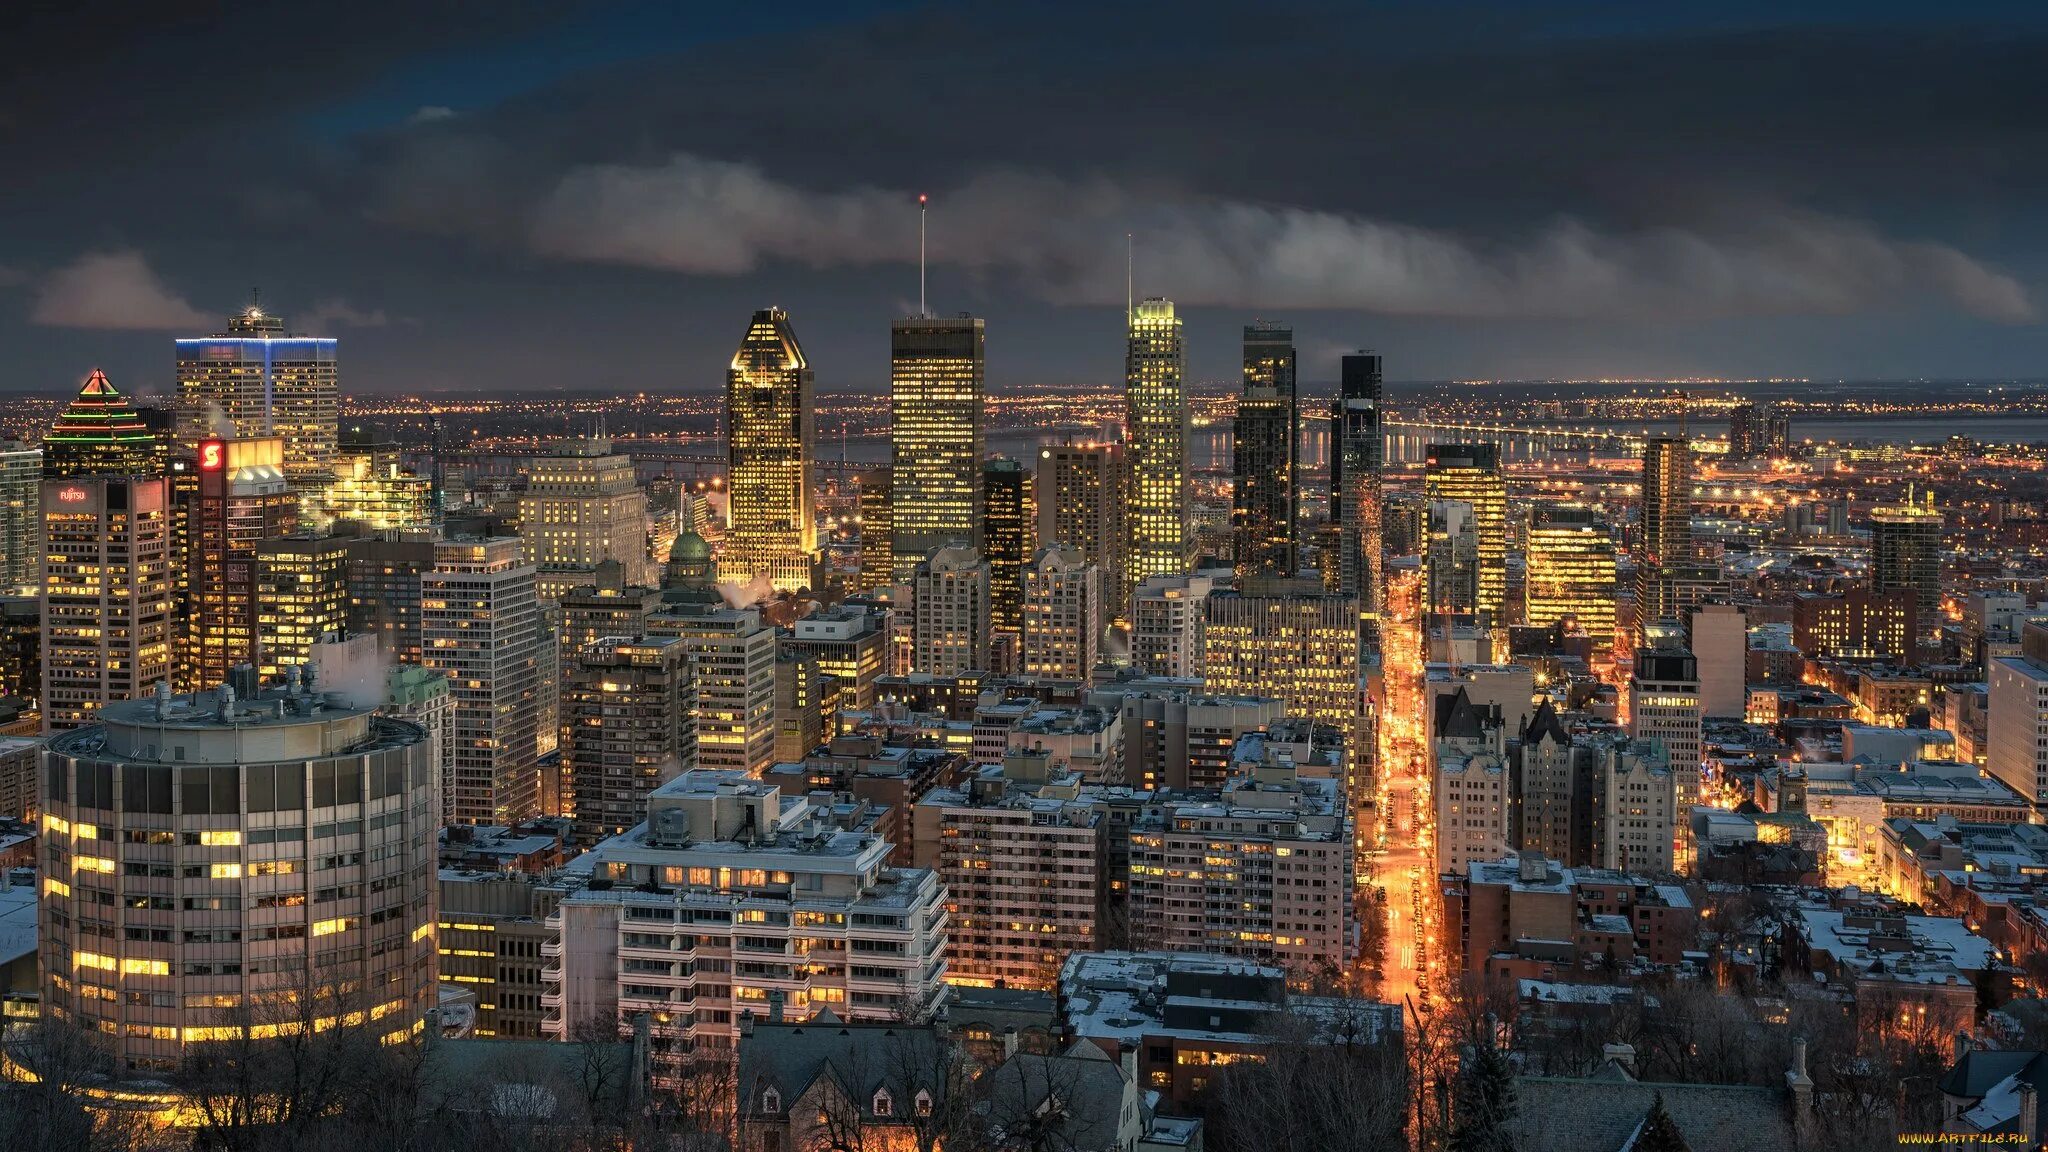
1555, 438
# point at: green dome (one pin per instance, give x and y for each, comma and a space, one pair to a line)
690, 548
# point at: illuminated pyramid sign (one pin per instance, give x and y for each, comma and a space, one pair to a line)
100, 433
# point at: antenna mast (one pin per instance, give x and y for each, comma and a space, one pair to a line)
922, 200
1130, 279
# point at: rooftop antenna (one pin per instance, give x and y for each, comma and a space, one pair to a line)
922, 201
1130, 279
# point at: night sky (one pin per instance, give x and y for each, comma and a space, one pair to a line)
509, 196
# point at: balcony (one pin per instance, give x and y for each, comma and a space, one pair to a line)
551, 949
551, 975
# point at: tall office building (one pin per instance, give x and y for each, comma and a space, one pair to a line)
266, 383
628, 725
21, 518
1571, 571
99, 434
1155, 441
2016, 756
1263, 462
372, 486
106, 594
1666, 535
1450, 560
301, 595
877, 531
1471, 473
1301, 647
771, 434
1063, 617
243, 500
583, 506
1356, 462
384, 574
1167, 616
1008, 545
607, 608
949, 611
1905, 551
935, 436
850, 646
732, 660
480, 624
1080, 498
1748, 432
219, 869
1664, 704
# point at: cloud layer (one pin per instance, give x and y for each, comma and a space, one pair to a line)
1064, 240
113, 290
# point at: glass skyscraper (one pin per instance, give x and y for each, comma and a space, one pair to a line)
1155, 431
266, 383
771, 431
1265, 484
936, 436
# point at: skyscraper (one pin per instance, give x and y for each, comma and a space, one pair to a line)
1356, 461
877, 535
301, 595
771, 433
1063, 617
1266, 429
935, 436
1471, 473
1155, 438
732, 660
480, 624
1571, 571
99, 434
1905, 550
243, 500
1006, 530
21, 518
265, 382
583, 506
1666, 536
1080, 498
1300, 646
106, 594
628, 728
235, 920
1450, 571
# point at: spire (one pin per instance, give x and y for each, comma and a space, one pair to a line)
922, 201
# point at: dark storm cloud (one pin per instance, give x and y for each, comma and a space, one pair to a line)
1394, 168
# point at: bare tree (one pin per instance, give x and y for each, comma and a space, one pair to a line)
53, 1106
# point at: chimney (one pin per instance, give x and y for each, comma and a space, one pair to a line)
1961, 1048
775, 996
746, 1022
1622, 1054
1800, 1086
638, 1074
2030, 1113
1009, 1041
1127, 1058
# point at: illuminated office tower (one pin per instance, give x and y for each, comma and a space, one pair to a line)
1080, 498
935, 436
949, 613
480, 624
732, 657
1665, 542
372, 486
301, 595
877, 540
218, 869
1356, 461
265, 382
384, 589
106, 594
1664, 704
582, 507
1156, 442
850, 645
604, 608
1905, 551
1300, 647
771, 434
1265, 485
21, 518
99, 434
628, 728
243, 500
1450, 559
1007, 527
1063, 617
1571, 571
1471, 473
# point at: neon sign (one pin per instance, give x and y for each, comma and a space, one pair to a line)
212, 454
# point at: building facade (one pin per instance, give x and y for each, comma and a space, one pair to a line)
1571, 572
629, 726
480, 625
1080, 503
583, 506
732, 657
1155, 440
950, 613
265, 383
106, 605
1356, 461
21, 519
1063, 619
1265, 488
936, 436
1470, 474
771, 435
